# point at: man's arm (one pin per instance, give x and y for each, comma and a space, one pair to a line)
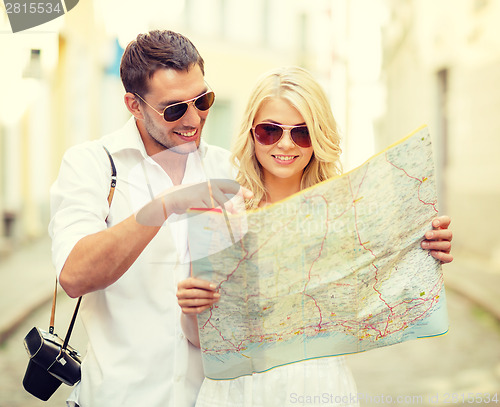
100, 259
88, 255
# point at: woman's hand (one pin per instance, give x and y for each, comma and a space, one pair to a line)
438, 240
195, 295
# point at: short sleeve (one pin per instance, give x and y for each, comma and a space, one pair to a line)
78, 199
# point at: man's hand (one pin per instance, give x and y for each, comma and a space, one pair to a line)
215, 193
438, 240
195, 295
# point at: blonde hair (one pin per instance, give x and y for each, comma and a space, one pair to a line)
300, 89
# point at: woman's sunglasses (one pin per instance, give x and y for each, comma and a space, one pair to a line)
174, 112
270, 133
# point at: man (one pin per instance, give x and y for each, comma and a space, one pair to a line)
128, 271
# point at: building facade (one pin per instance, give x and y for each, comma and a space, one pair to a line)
441, 66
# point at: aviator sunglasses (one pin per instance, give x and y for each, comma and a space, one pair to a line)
175, 111
270, 133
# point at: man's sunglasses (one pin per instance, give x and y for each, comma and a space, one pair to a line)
174, 112
270, 133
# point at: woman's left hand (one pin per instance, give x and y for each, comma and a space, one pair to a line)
438, 240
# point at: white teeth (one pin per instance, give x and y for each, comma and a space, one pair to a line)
190, 134
284, 157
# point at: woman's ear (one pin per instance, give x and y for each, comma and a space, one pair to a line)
133, 105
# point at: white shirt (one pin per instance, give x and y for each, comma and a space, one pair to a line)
137, 354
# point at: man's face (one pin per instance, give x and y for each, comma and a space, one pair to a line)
166, 87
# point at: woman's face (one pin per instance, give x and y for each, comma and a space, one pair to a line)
284, 159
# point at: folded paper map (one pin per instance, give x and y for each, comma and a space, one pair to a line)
332, 270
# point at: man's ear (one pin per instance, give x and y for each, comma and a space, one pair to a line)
133, 105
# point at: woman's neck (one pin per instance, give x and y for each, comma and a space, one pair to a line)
279, 188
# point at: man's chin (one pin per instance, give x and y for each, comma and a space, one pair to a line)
185, 148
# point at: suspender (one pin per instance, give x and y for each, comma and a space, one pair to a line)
113, 177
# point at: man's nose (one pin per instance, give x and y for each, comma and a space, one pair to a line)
192, 116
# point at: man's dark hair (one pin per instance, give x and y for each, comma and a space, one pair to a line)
156, 50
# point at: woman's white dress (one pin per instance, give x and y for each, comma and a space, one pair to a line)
317, 382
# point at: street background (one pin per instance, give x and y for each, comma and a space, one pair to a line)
388, 66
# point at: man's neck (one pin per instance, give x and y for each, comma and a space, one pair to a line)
174, 164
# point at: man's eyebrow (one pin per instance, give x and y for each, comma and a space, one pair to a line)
167, 103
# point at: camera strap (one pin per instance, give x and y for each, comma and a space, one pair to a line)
75, 312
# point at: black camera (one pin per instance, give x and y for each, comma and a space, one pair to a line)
50, 364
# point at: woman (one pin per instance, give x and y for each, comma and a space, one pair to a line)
288, 141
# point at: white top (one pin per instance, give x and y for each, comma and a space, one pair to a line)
316, 382
137, 354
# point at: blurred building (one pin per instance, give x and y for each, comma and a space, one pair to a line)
51, 80
441, 66
51, 77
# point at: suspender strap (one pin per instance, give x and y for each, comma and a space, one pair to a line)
113, 176
75, 312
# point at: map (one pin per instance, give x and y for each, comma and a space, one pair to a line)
332, 270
